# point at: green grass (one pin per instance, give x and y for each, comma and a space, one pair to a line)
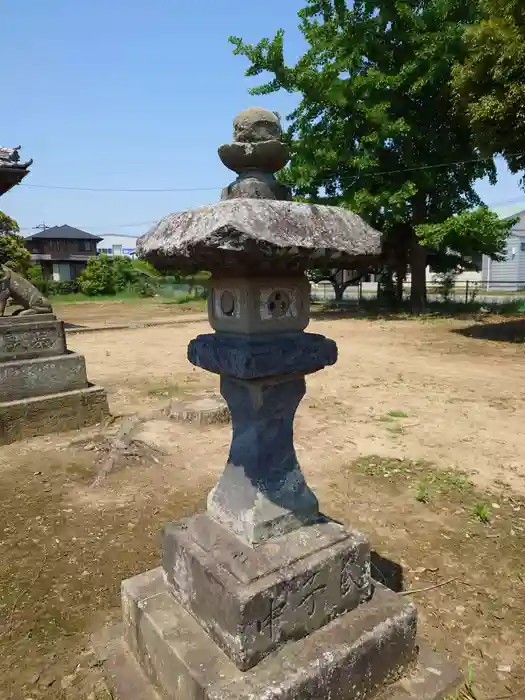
79, 297
422, 493
421, 473
482, 512
398, 414
367, 308
129, 298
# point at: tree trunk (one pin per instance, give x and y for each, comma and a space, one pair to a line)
418, 257
399, 287
418, 267
339, 290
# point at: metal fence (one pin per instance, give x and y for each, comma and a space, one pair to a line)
467, 292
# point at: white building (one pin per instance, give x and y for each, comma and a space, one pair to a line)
118, 244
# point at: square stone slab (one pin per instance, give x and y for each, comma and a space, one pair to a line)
253, 600
32, 338
22, 379
354, 657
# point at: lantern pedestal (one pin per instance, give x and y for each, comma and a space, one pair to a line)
163, 652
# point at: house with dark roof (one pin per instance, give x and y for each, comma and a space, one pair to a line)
62, 251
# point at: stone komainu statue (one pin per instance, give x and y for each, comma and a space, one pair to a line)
22, 292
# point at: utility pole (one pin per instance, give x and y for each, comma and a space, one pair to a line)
41, 227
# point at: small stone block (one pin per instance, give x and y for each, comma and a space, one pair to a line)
349, 658
253, 357
69, 410
21, 379
253, 600
33, 338
202, 411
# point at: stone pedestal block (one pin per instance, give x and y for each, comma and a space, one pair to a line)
43, 387
350, 658
53, 413
28, 337
21, 379
252, 601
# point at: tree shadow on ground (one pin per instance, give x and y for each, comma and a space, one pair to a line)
387, 572
512, 331
371, 312
372, 309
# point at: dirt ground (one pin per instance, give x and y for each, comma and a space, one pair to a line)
416, 437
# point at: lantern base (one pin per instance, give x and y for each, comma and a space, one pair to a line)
162, 653
253, 600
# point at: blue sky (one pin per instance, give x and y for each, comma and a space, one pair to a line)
131, 94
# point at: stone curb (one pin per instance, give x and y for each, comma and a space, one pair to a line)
134, 326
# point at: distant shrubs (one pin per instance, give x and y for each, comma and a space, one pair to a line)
105, 276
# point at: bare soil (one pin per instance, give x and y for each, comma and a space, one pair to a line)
413, 437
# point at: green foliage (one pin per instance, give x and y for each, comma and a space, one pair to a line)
7, 224
445, 284
105, 275
377, 119
98, 277
467, 234
482, 512
34, 275
422, 493
488, 83
143, 266
13, 251
64, 287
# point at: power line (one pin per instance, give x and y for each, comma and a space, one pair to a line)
110, 189
92, 226
214, 189
134, 224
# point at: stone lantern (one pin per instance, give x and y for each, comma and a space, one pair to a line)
262, 596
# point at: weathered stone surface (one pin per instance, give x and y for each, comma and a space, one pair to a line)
431, 677
256, 124
256, 153
346, 659
260, 234
266, 156
252, 601
20, 379
206, 410
22, 292
69, 410
32, 338
256, 185
262, 492
259, 304
11, 320
268, 355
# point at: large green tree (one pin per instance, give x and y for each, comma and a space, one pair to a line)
376, 128
13, 251
489, 83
